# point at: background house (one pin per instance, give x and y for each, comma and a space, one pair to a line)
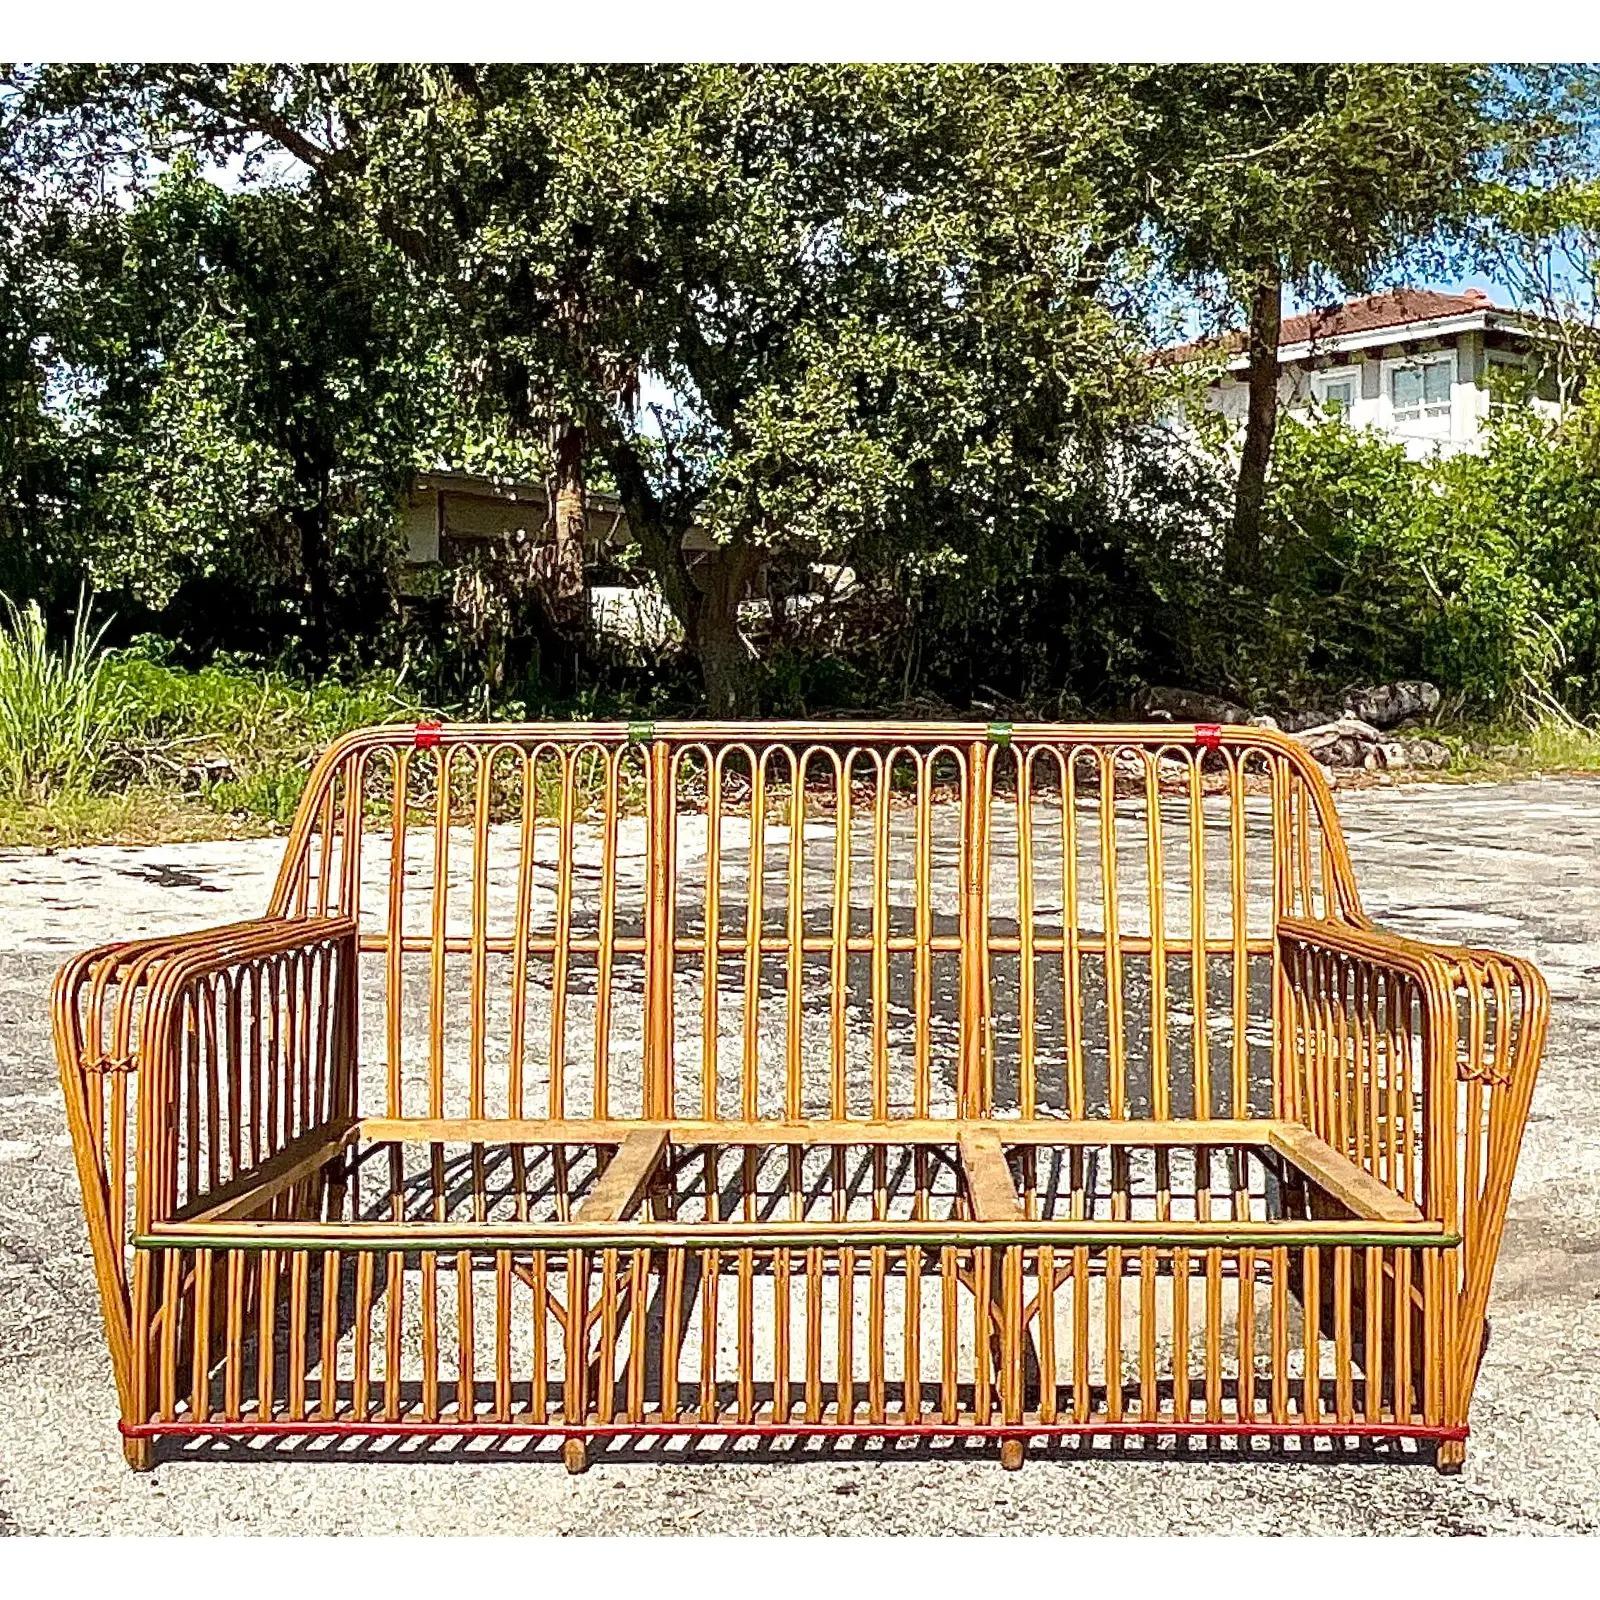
448, 515
1423, 367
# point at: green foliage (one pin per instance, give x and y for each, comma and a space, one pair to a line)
271, 793
1501, 749
1510, 545
58, 706
79, 722
1085, 598
41, 482
869, 299
1479, 571
1331, 171
266, 388
263, 730
1321, 177
1338, 601
212, 397
893, 319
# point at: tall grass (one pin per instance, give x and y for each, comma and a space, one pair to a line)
123, 744
57, 709
262, 729
1553, 744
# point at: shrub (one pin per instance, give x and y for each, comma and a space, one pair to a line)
262, 730
58, 711
1479, 571
1334, 603
1510, 541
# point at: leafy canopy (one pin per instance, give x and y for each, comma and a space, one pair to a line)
811, 309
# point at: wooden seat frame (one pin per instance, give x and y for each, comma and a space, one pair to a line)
927, 1079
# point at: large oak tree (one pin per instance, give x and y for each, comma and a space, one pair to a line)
849, 284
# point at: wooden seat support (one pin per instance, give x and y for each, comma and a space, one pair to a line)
622, 1185
990, 1191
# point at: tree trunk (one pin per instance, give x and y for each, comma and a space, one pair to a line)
562, 571
311, 523
727, 662
1241, 555
704, 599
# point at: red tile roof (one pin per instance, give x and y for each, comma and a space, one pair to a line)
1390, 310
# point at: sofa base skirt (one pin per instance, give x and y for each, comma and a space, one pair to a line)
1013, 1440
1007, 1342
1005, 1284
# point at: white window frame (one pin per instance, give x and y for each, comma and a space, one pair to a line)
1324, 380
1427, 420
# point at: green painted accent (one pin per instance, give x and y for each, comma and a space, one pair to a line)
641, 732
658, 1236
1000, 732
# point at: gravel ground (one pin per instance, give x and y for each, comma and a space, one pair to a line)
1505, 865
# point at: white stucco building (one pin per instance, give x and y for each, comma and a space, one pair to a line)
1421, 366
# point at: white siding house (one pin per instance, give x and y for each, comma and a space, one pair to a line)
1420, 366
449, 515
449, 512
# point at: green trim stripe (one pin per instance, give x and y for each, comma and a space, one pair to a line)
797, 1236
641, 732
1000, 732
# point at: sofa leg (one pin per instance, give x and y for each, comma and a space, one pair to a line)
1011, 1454
1451, 1456
575, 1455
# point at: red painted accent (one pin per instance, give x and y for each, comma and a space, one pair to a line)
427, 735
1208, 735
281, 1427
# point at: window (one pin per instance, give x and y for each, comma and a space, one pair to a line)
1336, 392
1508, 380
1420, 392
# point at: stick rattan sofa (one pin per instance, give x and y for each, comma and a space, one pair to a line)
801, 1079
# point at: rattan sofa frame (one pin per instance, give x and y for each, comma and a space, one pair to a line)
893, 1079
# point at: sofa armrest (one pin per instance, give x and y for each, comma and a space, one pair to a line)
1502, 1016
1417, 1061
187, 1060
1366, 1027
1495, 1007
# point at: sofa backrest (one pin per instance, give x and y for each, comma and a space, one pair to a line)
816, 920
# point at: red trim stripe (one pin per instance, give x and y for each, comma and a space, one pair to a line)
283, 1427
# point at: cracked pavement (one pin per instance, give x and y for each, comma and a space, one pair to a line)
1515, 865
